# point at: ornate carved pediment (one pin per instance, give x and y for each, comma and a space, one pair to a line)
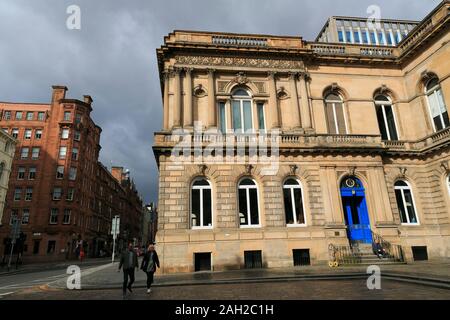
202, 168
293, 169
282, 93
199, 91
402, 171
351, 171
241, 78
249, 168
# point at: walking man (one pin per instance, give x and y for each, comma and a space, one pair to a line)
129, 261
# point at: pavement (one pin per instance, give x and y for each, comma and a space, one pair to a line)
436, 274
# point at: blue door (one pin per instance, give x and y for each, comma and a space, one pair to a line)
355, 211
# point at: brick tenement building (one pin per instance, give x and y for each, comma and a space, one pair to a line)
57, 186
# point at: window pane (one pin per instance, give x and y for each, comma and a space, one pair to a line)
222, 117
247, 182
288, 206
381, 123
330, 118
410, 206
247, 105
237, 124
241, 93
340, 118
340, 36
254, 206
356, 37
243, 207
391, 122
207, 213
195, 215
400, 205
261, 124
299, 206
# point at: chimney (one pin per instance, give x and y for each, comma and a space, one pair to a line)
88, 99
59, 92
117, 173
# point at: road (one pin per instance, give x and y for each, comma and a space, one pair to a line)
31, 280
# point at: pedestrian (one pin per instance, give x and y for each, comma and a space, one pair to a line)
129, 261
81, 254
379, 250
149, 264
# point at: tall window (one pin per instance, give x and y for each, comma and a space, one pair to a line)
38, 134
201, 204
386, 118
405, 203
62, 152
438, 110
35, 153
28, 194
41, 116
293, 202
27, 134
30, 115
21, 173
222, 117
18, 115
70, 193
32, 173
242, 111
334, 107
15, 133
53, 216
66, 217
59, 172
74, 153
7, 115
25, 216
24, 152
17, 194
72, 173
67, 115
65, 133
261, 116
248, 203
57, 193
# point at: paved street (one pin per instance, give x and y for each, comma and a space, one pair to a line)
102, 281
290, 290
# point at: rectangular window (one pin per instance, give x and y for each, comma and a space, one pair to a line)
24, 152
62, 152
53, 216
348, 36
29, 194
19, 115
222, 117
51, 247
253, 259
27, 134
72, 173
356, 37
25, 216
35, 153
202, 261
237, 124
301, 257
365, 39
57, 193
41, 116
373, 39
30, 115
7, 115
70, 194
261, 118
74, 153
65, 133
381, 39
77, 136
14, 216
66, 217
67, 115
59, 172
21, 173
17, 194
15, 133
32, 173
389, 38
38, 134
341, 36
78, 118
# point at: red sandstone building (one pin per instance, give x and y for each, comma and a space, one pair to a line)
58, 188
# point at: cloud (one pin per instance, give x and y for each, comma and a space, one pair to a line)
113, 56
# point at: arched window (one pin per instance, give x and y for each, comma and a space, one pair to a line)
334, 108
201, 204
405, 203
448, 184
436, 104
248, 203
242, 110
293, 202
386, 118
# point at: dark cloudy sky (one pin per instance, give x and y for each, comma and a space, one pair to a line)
113, 59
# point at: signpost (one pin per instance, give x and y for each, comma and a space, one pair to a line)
15, 234
115, 229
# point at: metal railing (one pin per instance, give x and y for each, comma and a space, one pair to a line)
240, 41
393, 251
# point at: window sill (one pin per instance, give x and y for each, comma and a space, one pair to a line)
255, 226
298, 225
410, 224
202, 228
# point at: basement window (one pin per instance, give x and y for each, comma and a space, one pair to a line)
253, 259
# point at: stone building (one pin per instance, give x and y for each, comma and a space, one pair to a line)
57, 188
357, 139
7, 149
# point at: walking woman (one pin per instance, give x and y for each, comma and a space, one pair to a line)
149, 264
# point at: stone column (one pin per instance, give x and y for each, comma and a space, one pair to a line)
187, 110
273, 101
305, 108
177, 98
212, 119
294, 95
166, 99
